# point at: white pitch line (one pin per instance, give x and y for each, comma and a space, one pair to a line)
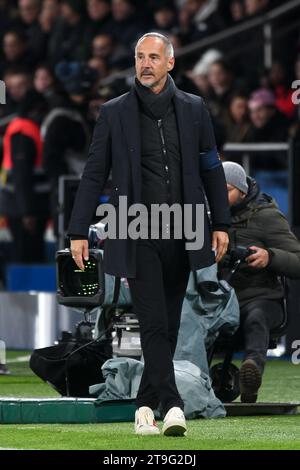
18, 359
9, 448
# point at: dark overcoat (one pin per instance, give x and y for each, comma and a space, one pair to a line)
116, 146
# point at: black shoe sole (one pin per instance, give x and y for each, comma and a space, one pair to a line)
175, 430
250, 381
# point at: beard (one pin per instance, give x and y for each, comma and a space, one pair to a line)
148, 84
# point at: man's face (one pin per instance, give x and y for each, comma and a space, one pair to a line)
42, 80
254, 6
13, 47
239, 108
164, 18
193, 6
97, 9
102, 46
17, 86
218, 76
260, 116
29, 10
121, 9
235, 196
151, 62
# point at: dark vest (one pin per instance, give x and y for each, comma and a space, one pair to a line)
160, 158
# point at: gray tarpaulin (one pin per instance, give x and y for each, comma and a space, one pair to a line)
122, 378
204, 316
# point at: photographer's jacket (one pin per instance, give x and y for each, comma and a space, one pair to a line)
258, 221
124, 140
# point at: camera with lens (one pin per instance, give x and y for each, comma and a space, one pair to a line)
233, 260
240, 253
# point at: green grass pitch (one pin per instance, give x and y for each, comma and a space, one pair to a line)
281, 383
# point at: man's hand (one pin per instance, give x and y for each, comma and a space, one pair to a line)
220, 242
258, 260
80, 252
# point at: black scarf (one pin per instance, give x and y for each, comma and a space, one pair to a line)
155, 105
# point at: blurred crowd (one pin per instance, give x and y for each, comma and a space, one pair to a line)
59, 58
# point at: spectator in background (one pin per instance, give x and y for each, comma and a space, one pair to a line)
185, 23
256, 7
126, 29
18, 81
49, 15
46, 84
29, 22
267, 125
24, 194
6, 14
29, 11
237, 123
186, 17
175, 40
183, 77
281, 87
237, 10
100, 18
105, 47
65, 130
68, 40
251, 61
199, 74
201, 18
165, 17
222, 84
14, 50
43, 79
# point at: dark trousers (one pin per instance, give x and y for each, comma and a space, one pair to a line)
28, 247
257, 319
157, 294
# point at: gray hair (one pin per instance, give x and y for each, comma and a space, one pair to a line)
168, 45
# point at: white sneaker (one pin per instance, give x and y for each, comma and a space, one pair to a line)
174, 423
145, 423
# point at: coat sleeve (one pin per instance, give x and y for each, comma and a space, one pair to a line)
212, 174
282, 244
93, 180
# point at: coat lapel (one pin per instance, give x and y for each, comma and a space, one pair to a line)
129, 115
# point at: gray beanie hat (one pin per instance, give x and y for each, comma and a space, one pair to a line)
236, 176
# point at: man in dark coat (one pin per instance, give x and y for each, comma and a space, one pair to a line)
160, 145
24, 188
258, 224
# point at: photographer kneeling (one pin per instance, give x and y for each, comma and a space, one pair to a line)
257, 224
